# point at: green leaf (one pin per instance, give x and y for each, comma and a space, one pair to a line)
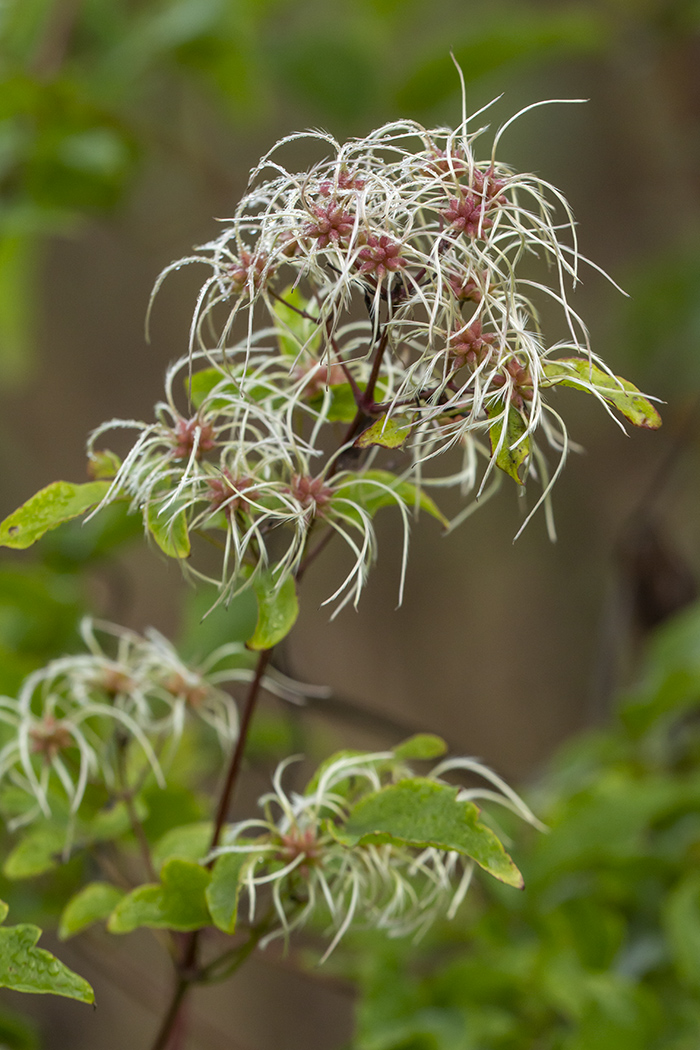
511, 456
176, 903
622, 395
682, 921
169, 531
18, 291
278, 609
224, 889
188, 842
25, 968
39, 851
375, 489
17, 1032
342, 407
421, 746
48, 509
103, 465
340, 786
92, 903
202, 384
422, 813
111, 822
387, 431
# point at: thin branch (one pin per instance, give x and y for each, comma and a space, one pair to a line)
237, 757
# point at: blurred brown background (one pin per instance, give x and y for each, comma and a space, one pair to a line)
504, 649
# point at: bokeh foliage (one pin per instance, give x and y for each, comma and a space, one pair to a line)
602, 951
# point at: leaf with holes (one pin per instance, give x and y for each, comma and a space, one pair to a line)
512, 449
57, 503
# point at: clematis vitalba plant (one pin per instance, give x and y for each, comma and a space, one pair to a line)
366, 336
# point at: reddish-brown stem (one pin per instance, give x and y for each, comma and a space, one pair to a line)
187, 971
368, 396
237, 757
296, 309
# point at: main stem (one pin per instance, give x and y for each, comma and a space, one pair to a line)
187, 972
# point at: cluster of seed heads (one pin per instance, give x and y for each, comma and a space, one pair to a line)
382, 299
77, 721
293, 857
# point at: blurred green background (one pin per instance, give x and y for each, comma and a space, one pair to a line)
126, 128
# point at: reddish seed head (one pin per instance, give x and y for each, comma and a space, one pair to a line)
521, 388
113, 682
298, 843
466, 288
188, 431
380, 255
49, 738
312, 493
471, 346
346, 181
227, 492
488, 186
193, 694
465, 214
331, 225
443, 163
247, 267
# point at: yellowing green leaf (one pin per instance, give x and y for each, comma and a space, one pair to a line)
48, 509
278, 609
511, 453
387, 431
422, 813
91, 904
176, 903
621, 394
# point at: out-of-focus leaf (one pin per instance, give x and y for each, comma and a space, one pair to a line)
422, 813
91, 904
18, 257
188, 842
421, 746
176, 903
278, 609
682, 921
375, 489
25, 968
38, 851
497, 42
49, 508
